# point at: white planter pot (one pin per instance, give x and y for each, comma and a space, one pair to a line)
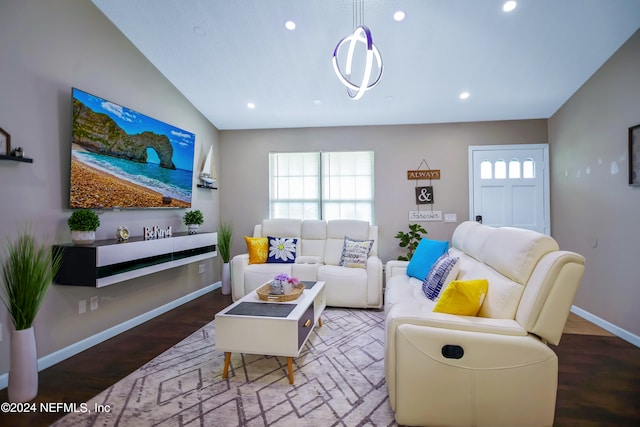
83, 237
193, 228
23, 366
226, 279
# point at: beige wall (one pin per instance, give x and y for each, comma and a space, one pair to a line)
593, 209
244, 186
46, 48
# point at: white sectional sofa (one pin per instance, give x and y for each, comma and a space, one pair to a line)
492, 369
319, 249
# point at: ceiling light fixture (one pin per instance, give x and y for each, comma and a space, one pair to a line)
251, 105
399, 16
361, 34
290, 25
509, 6
464, 95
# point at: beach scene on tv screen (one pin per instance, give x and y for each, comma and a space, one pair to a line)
123, 159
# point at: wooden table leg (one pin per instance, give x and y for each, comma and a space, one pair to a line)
320, 322
290, 365
227, 359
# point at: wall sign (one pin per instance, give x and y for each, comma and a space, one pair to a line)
425, 216
155, 232
424, 174
424, 195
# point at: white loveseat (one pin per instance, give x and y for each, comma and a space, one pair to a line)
319, 250
495, 368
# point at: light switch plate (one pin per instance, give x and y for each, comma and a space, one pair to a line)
450, 217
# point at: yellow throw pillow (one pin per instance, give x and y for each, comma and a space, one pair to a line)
258, 248
464, 297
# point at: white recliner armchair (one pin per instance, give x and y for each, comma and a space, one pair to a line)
493, 369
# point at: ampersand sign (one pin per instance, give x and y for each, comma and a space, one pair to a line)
424, 195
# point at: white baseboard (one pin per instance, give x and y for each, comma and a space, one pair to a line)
73, 349
608, 326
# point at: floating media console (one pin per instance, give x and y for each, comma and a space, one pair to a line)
106, 262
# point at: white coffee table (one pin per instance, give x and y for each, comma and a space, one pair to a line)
251, 325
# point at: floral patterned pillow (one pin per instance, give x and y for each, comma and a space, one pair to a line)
282, 250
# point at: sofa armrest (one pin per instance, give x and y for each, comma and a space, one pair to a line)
394, 268
421, 314
237, 266
374, 282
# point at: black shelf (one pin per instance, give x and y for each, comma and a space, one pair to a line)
16, 159
206, 186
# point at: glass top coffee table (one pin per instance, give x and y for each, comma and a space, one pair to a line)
251, 325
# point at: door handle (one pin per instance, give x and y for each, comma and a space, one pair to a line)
479, 218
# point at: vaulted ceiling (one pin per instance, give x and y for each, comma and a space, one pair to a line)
224, 54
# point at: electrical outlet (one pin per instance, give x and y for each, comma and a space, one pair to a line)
94, 303
201, 268
82, 306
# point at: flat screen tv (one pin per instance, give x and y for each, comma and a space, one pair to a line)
123, 159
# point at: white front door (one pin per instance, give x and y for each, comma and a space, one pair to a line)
509, 186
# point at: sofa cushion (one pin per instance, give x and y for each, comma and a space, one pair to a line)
344, 287
258, 249
355, 253
463, 297
504, 294
426, 254
442, 273
284, 227
313, 239
337, 230
515, 252
281, 250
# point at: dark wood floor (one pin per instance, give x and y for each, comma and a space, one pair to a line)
599, 378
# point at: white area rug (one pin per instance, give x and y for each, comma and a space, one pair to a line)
339, 381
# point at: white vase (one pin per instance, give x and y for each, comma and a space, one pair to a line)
23, 366
83, 237
226, 279
193, 228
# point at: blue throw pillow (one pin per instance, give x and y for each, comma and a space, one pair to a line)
281, 250
426, 254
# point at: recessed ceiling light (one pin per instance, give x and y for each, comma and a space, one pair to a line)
251, 105
509, 6
290, 25
399, 15
464, 95
317, 102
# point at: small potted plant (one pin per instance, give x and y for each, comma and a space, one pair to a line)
193, 220
83, 224
410, 240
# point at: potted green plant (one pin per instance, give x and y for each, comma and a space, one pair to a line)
410, 240
83, 224
27, 273
193, 220
225, 235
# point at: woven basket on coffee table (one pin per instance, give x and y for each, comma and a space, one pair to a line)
264, 293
